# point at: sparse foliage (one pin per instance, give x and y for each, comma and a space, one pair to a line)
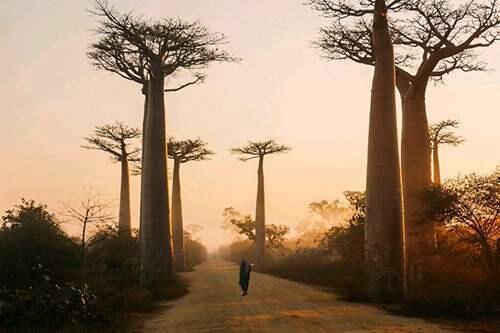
470, 206
258, 149
330, 212
443, 133
90, 211
188, 150
431, 37
346, 241
115, 140
130, 46
192, 230
245, 225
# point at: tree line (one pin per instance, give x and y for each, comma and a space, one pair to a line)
422, 43
409, 44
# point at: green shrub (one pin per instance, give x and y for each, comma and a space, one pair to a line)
31, 236
113, 258
51, 304
113, 271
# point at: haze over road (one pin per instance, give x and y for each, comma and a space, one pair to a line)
215, 304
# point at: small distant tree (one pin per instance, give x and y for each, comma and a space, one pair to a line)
89, 211
324, 215
115, 140
470, 206
258, 150
442, 134
182, 151
192, 230
330, 212
347, 241
245, 225
195, 252
229, 214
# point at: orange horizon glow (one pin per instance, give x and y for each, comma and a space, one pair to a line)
52, 98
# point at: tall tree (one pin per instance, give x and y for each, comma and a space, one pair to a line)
442, 134
432, 38
384, 220
182, 151
251, 151
114, 140
147, 52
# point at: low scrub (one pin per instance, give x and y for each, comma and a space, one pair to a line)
453, 287
44, 288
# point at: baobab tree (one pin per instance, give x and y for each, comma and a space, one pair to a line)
432, 38
442, 134
251, 151
115, 140
147, 52
182, 151
384, 253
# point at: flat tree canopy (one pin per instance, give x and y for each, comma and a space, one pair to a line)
188, 150
256, 149
129, 45
431, 38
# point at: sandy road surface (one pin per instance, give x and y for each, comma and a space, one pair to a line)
215, 304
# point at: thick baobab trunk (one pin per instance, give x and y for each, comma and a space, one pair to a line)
435, 161
437, 182
177, 227
384, 244
260, 217
416, 174
124, 214
145, 92
155, 242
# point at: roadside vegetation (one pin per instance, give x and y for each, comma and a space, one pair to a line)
45, 284
461, 278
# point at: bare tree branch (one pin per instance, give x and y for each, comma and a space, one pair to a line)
200, 78
129, 45
432, 38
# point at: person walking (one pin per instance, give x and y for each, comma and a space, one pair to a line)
245, 269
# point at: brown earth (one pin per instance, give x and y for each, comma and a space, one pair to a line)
215, 304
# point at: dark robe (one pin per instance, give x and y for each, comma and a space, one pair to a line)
245, 270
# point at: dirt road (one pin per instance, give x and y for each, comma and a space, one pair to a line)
215, 304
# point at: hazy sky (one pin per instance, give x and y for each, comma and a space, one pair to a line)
51, 98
